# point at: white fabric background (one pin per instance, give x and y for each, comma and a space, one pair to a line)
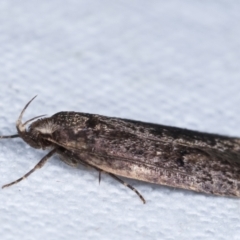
168, 62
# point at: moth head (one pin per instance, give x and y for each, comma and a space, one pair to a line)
36, 134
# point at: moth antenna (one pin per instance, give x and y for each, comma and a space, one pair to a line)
22, 127
10, 136
30, 120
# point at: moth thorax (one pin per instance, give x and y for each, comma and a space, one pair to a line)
43, 126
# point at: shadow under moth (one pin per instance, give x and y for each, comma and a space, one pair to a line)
171, 156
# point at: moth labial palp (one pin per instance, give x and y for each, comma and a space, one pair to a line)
171, 156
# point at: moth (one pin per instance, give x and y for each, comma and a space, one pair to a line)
180, 158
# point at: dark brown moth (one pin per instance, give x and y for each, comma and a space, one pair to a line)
171, 156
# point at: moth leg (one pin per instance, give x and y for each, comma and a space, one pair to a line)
127, 185
39, 165
118, 179
69, 161
99, 177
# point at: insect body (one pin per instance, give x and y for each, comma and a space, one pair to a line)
153, 153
